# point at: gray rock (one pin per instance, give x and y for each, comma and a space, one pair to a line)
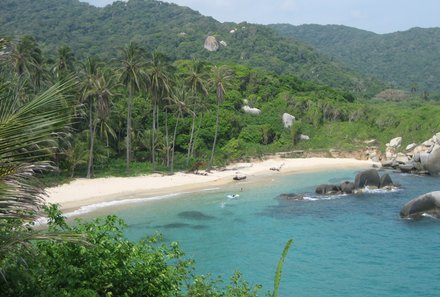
410, 147
387, 163
402, 158
347, 187
386, 181
211, 44
395, 142
416, 157
428, 203
432, 164
407, 167
366, 178
304, 137
326, 189
424, 158
437, 138
290, 197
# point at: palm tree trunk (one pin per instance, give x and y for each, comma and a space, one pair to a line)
196, 134
193, 125
92, 129
153, 132
174, 143
215, 138
167, 141
129, 111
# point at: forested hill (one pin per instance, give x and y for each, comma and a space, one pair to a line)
409, 59
177, 31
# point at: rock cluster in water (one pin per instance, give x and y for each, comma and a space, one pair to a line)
421, 158
368, 178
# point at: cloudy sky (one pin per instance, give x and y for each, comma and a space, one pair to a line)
380, 16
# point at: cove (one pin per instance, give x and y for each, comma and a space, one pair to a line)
347, 245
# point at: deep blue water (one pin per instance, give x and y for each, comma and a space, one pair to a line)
352, 245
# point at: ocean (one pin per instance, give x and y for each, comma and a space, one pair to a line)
346, 245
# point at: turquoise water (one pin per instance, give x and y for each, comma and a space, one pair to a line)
343, 246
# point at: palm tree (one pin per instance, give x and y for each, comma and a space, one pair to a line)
220, 78
27, 139
196, 79
99, 94
134, 78
27, 61
64, 62
159, 73
177, 102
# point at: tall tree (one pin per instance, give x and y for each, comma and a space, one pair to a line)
64, 64
219, 80
177, 103
27, 61
134, 78
99, 95
160, 77
196, 79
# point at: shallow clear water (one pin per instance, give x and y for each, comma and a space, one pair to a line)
343, 246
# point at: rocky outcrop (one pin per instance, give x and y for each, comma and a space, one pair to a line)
368, 178
421, 159
392, 147
288, 120
428, 203
211, 44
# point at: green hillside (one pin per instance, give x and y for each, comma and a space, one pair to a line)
409, 59
177, 31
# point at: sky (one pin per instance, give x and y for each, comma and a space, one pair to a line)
379, 16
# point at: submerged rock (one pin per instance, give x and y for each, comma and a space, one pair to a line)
195, 215
290, 196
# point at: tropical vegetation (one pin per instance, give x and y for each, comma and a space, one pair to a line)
82, 111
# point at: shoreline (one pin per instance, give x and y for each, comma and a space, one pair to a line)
110, 191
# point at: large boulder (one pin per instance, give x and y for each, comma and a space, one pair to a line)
428, 203
211, 44
347, 187
288, 120
366, 178
326, 189
432, 162
386, 181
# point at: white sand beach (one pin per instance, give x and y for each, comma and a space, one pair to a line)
83, 192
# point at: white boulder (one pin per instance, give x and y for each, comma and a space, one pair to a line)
395, 142
211, 44
288, 120
251, 110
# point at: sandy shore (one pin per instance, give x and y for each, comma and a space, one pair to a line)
83, 192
